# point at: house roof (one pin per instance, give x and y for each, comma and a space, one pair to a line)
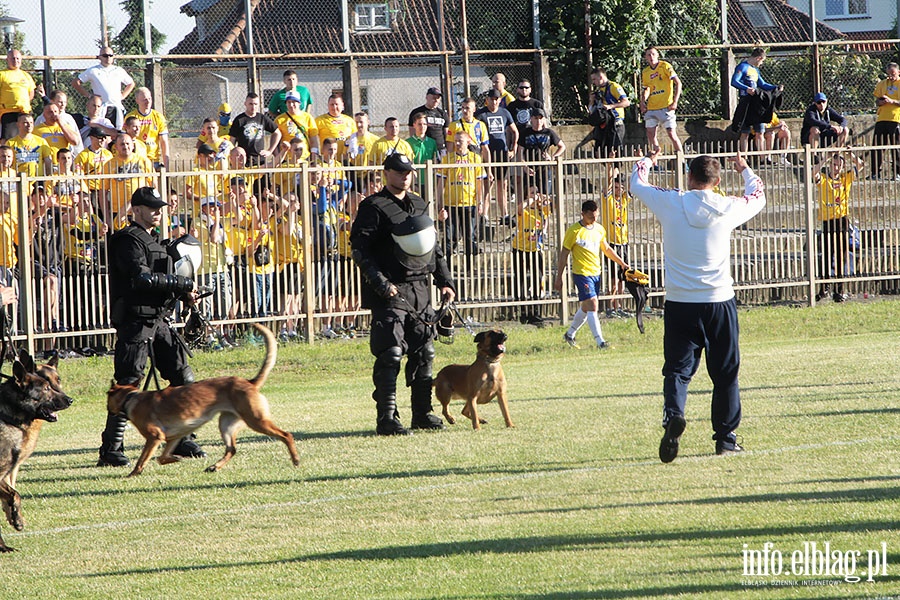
872, 35
790, 25
282, 26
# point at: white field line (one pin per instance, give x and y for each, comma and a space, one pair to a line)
202, 515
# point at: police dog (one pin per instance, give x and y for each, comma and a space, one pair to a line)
32, 395
477, 383
170, 414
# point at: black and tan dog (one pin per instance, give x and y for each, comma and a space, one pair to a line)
170, 414
477, 383
27, 399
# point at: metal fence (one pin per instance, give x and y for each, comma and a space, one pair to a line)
310, 288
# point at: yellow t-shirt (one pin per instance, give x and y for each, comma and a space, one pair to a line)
121, 188
81, 231
66, 187
891, 89
301, 125
16, 88
477, 130
834, 195
459, 180
205, 182
383, 147
340, 128
152, 127
364, 144
584, 243
288, 181
659, 80
287, 242
91, 163
29, 154
53, 135
528, 235
9, 238
614, 216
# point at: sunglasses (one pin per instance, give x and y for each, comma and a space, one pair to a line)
524, 87
107, 55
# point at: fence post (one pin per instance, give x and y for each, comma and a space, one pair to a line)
561, 226
809, 197
309, 298
350, 74
26, 273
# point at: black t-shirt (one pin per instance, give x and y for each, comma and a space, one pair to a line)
437, 119
521, 112
536, 143
249, 133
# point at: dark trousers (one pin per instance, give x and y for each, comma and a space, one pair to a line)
133, 349
886, 133
690, 329
835, 249
462, 222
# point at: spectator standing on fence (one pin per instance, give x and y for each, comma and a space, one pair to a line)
390, 143
32, 154
132, 172
887, 120
278, 103
749, 82
16, 93
534, 145
522, 107
503, 138
295, 122
338, 126
153, 128
700, 310
823, 126
437, 118
498, 83
55, 133
67, 123
835, 181
110, 82
660, 93
586, 241
607, 97
460, 196
95, 119
249, 129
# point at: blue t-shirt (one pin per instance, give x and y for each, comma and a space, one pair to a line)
747, 76
496, 126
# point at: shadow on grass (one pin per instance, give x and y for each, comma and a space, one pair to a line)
537, 544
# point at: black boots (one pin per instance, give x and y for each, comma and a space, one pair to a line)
423, 417
388, 420
112, 450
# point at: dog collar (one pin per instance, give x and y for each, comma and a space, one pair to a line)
128, 398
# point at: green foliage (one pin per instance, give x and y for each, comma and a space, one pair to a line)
131, 39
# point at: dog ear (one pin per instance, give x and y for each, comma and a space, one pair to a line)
19, 372
480, 337
27, 361
54, 360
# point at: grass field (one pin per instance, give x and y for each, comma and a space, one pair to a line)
572, 503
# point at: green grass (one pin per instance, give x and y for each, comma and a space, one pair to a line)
572, 503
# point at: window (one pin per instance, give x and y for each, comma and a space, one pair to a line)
372, 17
846, 8
758, 13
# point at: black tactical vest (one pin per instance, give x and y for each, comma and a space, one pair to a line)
127, 302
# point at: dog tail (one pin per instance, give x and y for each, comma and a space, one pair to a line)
271, 353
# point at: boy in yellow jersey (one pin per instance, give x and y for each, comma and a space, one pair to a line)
240, 216
209, 134
585, 241
475, 128
285, 181
460, 198
207, 179
660, 92
614, 217
133, 128
527, 242
835, 181
32, 154
288, 244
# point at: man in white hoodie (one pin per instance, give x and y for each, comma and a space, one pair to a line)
700, 311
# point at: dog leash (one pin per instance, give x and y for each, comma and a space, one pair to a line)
445, 308
7, 342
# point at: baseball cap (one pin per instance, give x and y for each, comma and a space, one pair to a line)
225, 108
819, 97
97, 133
538, 112
433, 91
494, 93
147, 196
398, 162
210, 200
206, 149
292, 95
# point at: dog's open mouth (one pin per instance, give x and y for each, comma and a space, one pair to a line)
47, 415
499, 349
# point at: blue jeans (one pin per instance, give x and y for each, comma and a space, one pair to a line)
262, 295
690, 329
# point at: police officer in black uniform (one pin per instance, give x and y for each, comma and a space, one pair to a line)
143, 288
394, 243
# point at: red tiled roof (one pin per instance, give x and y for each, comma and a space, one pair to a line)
791, 25
872, 35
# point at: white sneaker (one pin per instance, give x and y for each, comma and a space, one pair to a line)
329, 333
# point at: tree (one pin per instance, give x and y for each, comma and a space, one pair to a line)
131, 39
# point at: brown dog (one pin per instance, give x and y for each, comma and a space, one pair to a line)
476, 383
170, 414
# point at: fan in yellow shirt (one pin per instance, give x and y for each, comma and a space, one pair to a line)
389, 144
335, 124
32, 154
128, 167
660, 92
297, 123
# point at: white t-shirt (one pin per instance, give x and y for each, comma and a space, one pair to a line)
107, 82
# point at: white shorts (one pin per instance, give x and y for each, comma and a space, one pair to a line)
661, 116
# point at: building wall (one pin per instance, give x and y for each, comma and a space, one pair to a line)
882, 15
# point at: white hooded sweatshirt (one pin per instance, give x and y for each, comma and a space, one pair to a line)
697, 226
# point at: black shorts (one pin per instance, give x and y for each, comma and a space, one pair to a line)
499, 156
